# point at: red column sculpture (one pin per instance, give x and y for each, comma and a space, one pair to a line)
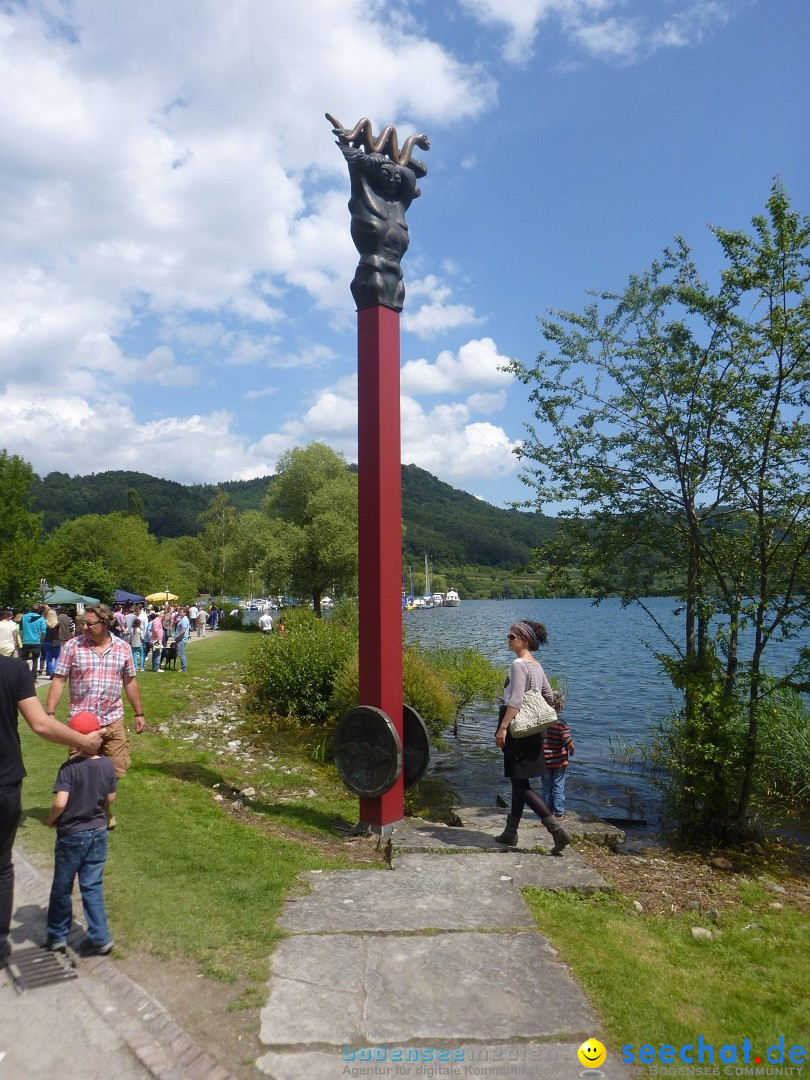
380, 534
383, 186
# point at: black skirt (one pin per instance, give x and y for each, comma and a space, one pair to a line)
522, 758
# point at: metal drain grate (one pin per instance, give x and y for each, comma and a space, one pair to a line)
33, 967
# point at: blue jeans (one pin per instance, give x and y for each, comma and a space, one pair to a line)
83, 853
48, 658
554, 789
137, 656
181, 653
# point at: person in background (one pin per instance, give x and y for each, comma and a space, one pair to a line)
65, 626
202, 620
17, 691
9, 634
32, 635
213, 617
52, 645
136, 644
266, 623
182, 633
49, 615
157, 636
558, 747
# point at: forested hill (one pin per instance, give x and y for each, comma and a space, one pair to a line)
170, 508
453, 527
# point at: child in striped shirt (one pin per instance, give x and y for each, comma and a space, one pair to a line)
558, 747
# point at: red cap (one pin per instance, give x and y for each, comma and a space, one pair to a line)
84, 722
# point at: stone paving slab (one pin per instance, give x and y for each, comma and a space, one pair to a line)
504, 1061
440, 892
482, 824
334, 989
567, 872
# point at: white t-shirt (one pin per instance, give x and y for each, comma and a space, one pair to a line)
266, 623
7, 643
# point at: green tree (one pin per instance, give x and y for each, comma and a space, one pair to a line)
259, 554
674, 426
220, 529
20, 532
108, 548
313, 500
135, 504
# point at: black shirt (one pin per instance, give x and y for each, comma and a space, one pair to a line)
16, 684
88, 782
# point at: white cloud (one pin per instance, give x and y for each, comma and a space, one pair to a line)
612, 39
84, 438
184, 168
477, 364
161, 367
436, 316
486, 403
444, 442
620, 31
307, 356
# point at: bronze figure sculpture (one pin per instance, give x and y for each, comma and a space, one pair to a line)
383, 186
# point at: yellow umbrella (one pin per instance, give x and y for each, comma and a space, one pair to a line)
156, 597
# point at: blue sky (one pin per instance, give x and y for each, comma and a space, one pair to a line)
176, 257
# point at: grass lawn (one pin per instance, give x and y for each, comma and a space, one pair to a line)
186, 876
652, 982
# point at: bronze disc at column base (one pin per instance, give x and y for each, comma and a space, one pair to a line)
368, 751
416, 753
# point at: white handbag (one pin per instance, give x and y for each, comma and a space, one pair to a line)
534, 716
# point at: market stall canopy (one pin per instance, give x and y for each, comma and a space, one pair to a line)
122, 597
58, 595
156, 597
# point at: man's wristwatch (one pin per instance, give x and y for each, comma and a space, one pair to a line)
137, 714
50, 714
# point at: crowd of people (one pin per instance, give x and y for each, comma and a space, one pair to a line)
38, 635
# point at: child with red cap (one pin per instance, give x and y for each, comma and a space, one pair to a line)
84, 788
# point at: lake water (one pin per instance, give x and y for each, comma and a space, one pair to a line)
605, 656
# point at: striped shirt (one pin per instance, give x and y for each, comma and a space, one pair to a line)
95, 681
556, 741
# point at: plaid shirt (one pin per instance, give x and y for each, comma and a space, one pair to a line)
96, 681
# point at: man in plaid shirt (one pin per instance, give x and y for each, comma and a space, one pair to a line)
98, 665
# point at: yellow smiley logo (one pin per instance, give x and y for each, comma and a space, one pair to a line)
592, 1054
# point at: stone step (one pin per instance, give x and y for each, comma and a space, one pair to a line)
481, 824
434, 892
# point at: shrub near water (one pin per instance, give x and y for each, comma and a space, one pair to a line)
311, 673
422, 689
292, 674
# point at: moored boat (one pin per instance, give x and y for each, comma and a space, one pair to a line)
451, 598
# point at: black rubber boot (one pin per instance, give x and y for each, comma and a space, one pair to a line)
509, 834
562, 837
